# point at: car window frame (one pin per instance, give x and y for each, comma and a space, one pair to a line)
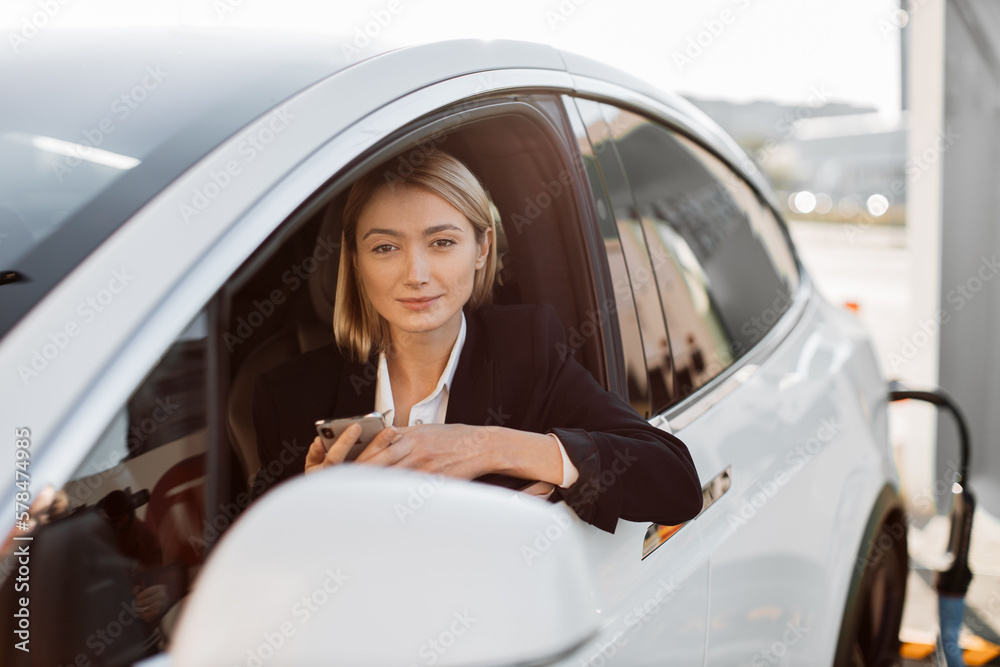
720, 146
610, 166
98, 394
727, 178
222, 460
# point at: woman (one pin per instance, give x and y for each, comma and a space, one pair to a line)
467, 389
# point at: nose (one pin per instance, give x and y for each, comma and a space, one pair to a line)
417, 269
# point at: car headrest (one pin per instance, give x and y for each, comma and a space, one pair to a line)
323, 281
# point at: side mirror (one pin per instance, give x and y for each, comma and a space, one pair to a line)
358, 565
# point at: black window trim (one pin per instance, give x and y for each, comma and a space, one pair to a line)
682, 413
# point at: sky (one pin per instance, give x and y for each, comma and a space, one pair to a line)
779, 50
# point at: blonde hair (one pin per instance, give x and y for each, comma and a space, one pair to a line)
357, 327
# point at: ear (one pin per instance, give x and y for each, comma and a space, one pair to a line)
484, 248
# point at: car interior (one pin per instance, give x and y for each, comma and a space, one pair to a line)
541, 259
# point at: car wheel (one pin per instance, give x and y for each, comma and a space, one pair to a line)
879, 610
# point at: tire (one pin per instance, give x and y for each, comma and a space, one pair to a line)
878, 610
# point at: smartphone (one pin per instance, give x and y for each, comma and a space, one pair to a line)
330, 429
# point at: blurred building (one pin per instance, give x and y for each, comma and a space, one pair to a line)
825, 160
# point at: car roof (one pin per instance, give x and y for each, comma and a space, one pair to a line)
210, 83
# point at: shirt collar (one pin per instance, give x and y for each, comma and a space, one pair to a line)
383, 390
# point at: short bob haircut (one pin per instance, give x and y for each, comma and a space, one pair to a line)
357, 327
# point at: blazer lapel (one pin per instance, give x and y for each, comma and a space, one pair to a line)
471, 393
470, 400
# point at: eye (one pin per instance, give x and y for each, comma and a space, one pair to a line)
443, 243
382, 248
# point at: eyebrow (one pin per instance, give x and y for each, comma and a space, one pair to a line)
427, 232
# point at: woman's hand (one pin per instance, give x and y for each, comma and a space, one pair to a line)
456, 450
317, 457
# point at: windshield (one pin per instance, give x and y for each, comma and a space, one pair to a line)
102, 120
43, 181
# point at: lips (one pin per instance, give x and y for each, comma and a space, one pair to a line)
419, 304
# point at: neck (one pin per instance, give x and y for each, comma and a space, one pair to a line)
416, 359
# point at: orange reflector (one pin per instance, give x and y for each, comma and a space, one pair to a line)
978, 651
912, 651
851, 306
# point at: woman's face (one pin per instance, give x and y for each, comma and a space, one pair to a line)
416, 257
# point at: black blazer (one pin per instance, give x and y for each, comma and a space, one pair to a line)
515, 370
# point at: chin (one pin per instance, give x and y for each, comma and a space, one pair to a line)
425, 320
417, 322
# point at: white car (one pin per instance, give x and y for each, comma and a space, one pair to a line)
169, 214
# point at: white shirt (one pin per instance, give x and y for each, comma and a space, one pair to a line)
433, 408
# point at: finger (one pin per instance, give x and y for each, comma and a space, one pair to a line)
379, 443
342, 445
315, 455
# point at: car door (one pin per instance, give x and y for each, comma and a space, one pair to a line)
756, 395
654, 578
